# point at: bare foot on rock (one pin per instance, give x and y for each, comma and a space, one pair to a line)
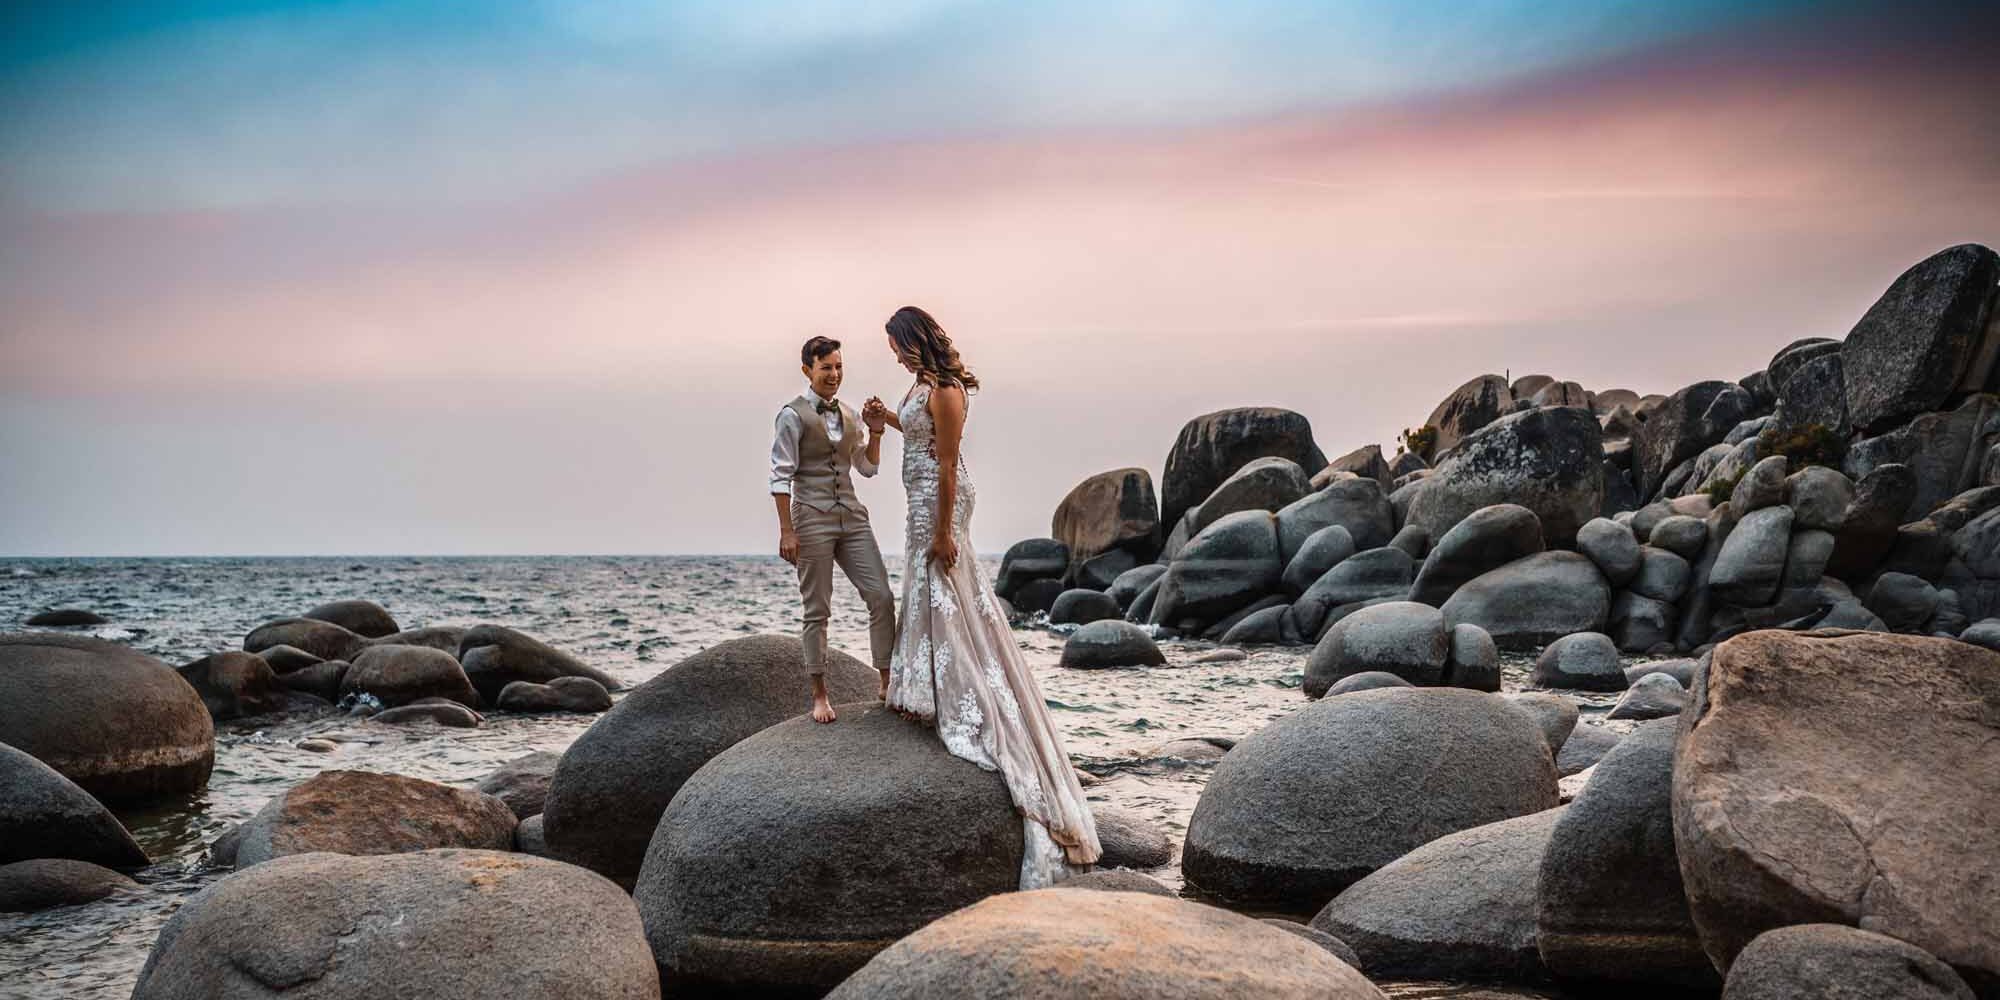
882, 693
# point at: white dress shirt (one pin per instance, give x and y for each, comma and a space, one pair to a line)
785, 445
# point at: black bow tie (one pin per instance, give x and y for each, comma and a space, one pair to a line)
827, 406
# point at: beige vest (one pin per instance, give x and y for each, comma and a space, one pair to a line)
822, 481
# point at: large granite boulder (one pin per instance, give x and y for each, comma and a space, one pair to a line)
1795, 354
564, 694
793, 857
1550, 461
322, 639
1129, 839
1110, 643
399, 675
1926, 339
1459, 907
1109, 511
1815, 396
234, 684
523, 783
1375, 575
361, 812
1366, 462
445, 638
1582, 661
1867, 529
1837, 962
1133, 582
1211, 447
1359, 505
1079, 606
1942, 449
120, 724
1844, 778
45, 815
495, 656
1400, 637
1469, 407
1266, 484
617, 778
1612, 911
1228, 565
41, 883
1611, 546
1065, 942
1323, 550
1487, 539
363, 618
1313, 802
444, 925
1751, 561
1534, 600
1682, 426
1030, 560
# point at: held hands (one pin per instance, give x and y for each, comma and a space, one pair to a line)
944, 551
875, 414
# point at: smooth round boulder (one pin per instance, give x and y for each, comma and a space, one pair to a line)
1662, 576
288, 659
1321, 551
363, 618
1129, 839
1837, 962
442, 711
1653, 696
1611, 546
1534, 600
564, 694
361, 812
495, 656
1474, 663
793, 857
1751, 562
1104, 644
1316, 800
64, 618
1681, 535
1404, 638
1585, 661
1459, 907
1231, 563
1819, 497
120, 724
1359, 505
399, 675
1375, 575
1114, 511
1586, 746
1266, 484
1844, 777
617, 778
1762, 486
1367, 680
1555, 714
442, 924
1211, 447
45, 815
1984, 634
322, 639
528, 838
1611, 910
41, 883
1133, 582
234, 684
1029, 560
1903, 602
1108, 945
440, 637
1078, 606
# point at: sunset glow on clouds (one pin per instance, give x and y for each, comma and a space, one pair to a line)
506, 286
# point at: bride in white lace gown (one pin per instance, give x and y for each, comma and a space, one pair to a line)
955, 660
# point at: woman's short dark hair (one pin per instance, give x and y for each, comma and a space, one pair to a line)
817, 348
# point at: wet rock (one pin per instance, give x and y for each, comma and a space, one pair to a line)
1611, 546
1923, 340
45, 815
1117, 880
1081, 607
1377, 574
1100, 571
442, 711
141, 734
1400, 637
1029, 560
1265, 626
363, 618
1839, 963
322, 639
1612, 910
1318, 799
1687, 422
233, 685
1211, 447
1265, 484
447, 924
65, 618
1587, 744
444, 638
1475, 660
1038, 596
495, 656
1367, 680
360, 812
1131, 583
564, 694
286, 659
399, 675
1065, 942
1663, 575
1103, 644
1358, 505
321, 680
41, 883
1555, 714
1321, 551
1229, 564
1113, 511
1851, 778
522, 783
1486, 539
1653, 696
617, 778
1549, 461
1469, 407
767, 871
1903, 602
1751, 561
1459, 907
1129, 839
1533, 600
1585, 661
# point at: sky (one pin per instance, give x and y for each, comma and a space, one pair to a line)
530, 277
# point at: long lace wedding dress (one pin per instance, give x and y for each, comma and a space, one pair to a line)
956, 662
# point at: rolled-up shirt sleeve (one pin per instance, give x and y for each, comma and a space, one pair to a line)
785, 452
861, 462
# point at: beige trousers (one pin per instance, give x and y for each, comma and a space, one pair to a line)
841, 536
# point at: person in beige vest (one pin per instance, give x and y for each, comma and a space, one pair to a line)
821, 522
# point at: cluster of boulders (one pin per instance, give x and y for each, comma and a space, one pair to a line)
1850, 484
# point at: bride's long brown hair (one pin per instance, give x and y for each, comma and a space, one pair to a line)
923, 345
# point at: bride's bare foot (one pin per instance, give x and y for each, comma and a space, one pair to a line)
882, 693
